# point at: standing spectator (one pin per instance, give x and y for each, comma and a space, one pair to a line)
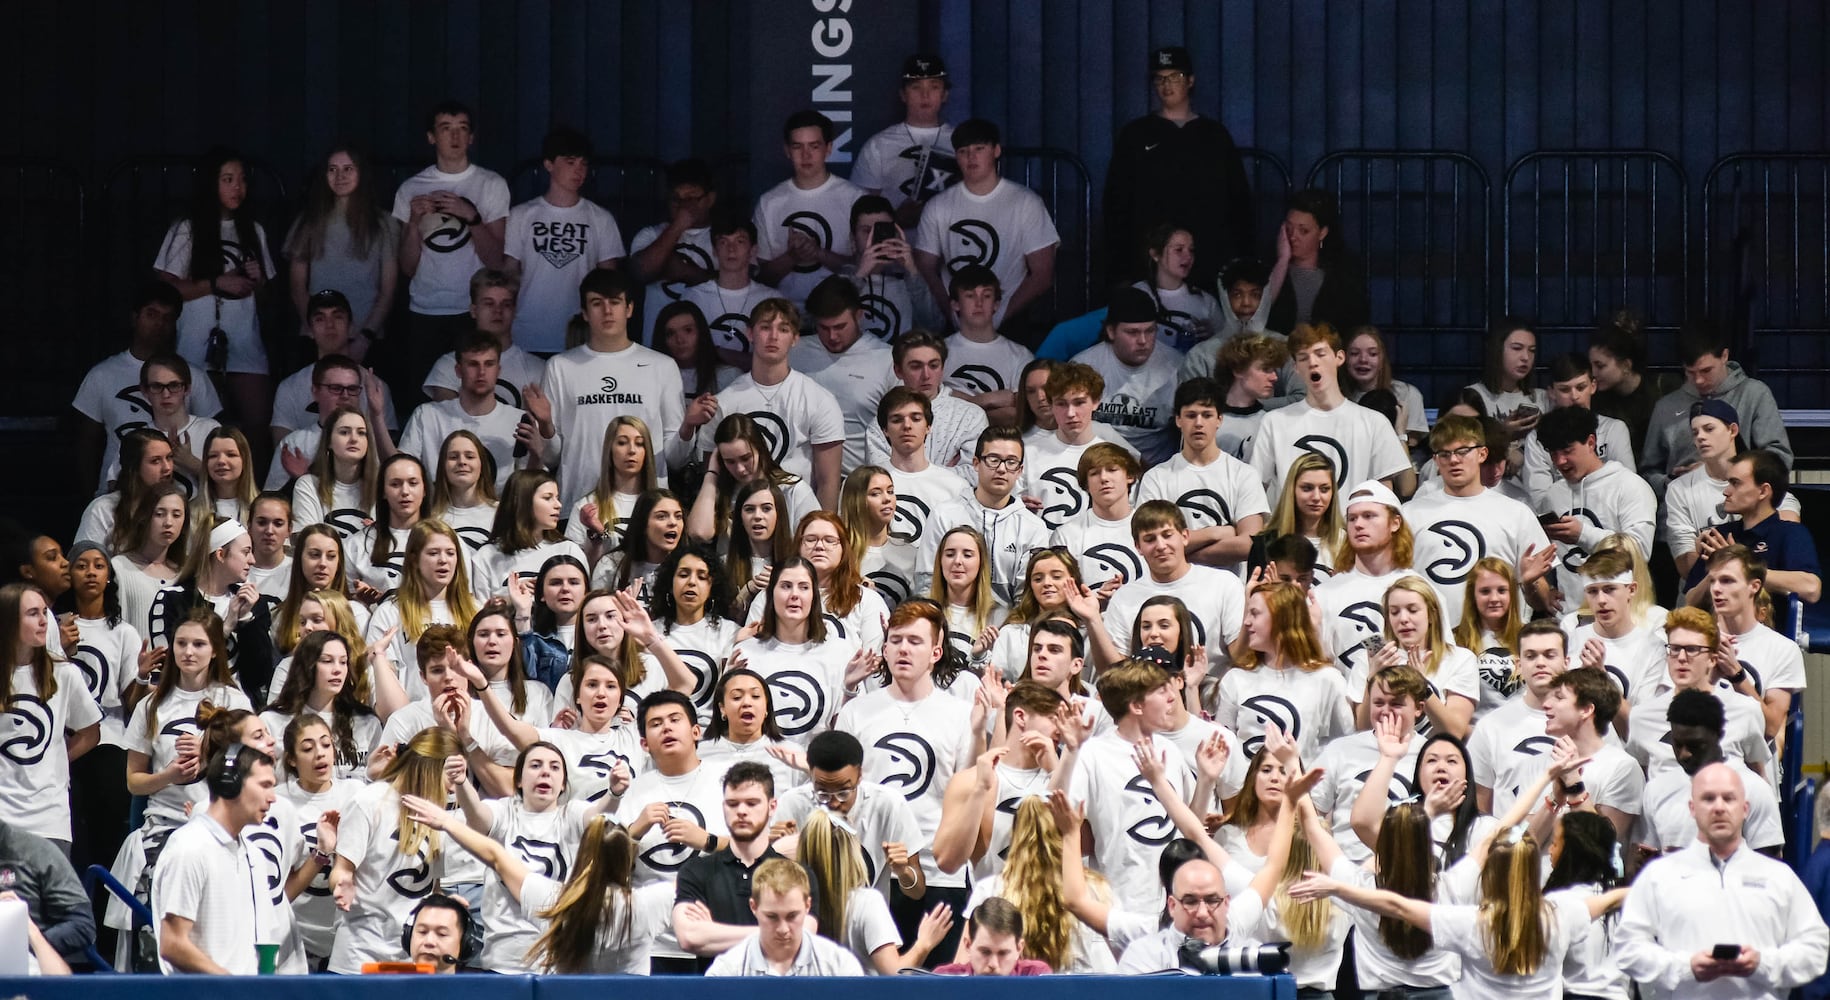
732, 292
895, 296
987, 220
345, 242
1050, 485
219, 252
1186, 314
677, 253
1152, 160
554, 239
456, 220
955, 425
1676, 921
1591, 499
165, 382
1756, 488
1325, 283
712, 891
848, 364
912, 161
109, 400
493, 297
1219, 495
803, 228
477, 408
1694, 501
1709, 374
1361, 444
52, 721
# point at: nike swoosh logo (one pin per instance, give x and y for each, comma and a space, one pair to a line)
854, 374
641, 364
1151, 146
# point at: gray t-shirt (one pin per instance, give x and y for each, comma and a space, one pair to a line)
1307, 282
338, 265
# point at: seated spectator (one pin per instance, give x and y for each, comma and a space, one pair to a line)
729, 296
987, 220
682, 333
337, 382
345, 242
994, 944
802, 224
1756, 486
478, 409
1507, 387
327, 321
1249, 367
109, 400
1591, 499
781, 897
920, 360
1325, 283
1051, 461
1571, 385
147, 455
553, 239
165, 382
1624, 388
1369, 368
1186, 315
677, 253
985, 367
910, 162
494, 296
1709, 374
895, 298
1140, 375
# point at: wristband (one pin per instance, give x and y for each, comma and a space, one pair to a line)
470, 745
323, 860
1575, 788
475, 220
1740, 678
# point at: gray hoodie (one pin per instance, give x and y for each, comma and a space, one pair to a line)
1668, 442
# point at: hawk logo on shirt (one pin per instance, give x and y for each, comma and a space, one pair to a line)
507, 393
979, 379
881, 318
913, 767
1752, 675
800, 701
135, 403
1009, 808
1577, 555
668, 857
415, 881
320, 885
1272, 710
911, 513
26, 728
93, 664
1462, 544
705, 675
696, 255
975, 242
268, 852
1498, 672
817, 229
609, 383
1399, 790
1117, 560
1207, 506
444, 233
474, 536
1154, 830
347, 521
1072, 501
560, 243
1365, 619
835, 624
601, 764
731, 332
1534, 746
1330, 449
774, 431
893, 588
1619, 677
542, 856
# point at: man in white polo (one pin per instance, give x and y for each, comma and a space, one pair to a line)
209, 916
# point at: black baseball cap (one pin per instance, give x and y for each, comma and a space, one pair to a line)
1171, 57
924, 66
1130, 304
329, 298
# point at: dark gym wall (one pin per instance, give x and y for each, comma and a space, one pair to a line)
92, 82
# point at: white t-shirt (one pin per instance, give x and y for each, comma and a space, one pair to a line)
431, 423
345, 514
1215, 600
34, 763
1380, 969
1196, 731
314, 912
177, 716
589, 388
998, 229
1014, 785
518, 369
1774, 662
1346, 762
694, 247
389, 883
879, 814
914, 748
547, 843
239, 318
492, 566
1457, 929
794, 415
1353, 610
1219, 493
1635, 661
1130, 826
1102, 548
1051, 472
473, 524
906, 162
1360, 443
359, 550
206, 876
1187, 316
448, 254
890, 568
918, 496
1666, 823
1139, 402
276, 847
108, 659
703, 646
651, 910
823, 213
975, 368
727, 310
697, 797
1453, 533
294, 408
1459, 672
403, 653
1611, 499
857, 378
953, 437
1310, 706
806, 682
110, 396
722, 754
818, 957
590, 757
556, 247
1744, 728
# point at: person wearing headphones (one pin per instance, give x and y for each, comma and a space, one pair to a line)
442, 934
210, 917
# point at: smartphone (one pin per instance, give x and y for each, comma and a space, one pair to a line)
1525, 412
882, 232
1549, 519
520, 448
1372, 645
1725, 952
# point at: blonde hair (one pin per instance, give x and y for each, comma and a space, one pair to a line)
1032, 882
1404, 544
984, 600
420, 770
595, 904
1305, 923
342, 619
1513, 917
1646, 598
415, 604
835, 862
1332, 532
1468, 631
1436, 636
605, 494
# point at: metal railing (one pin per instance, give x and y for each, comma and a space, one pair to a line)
1066, 188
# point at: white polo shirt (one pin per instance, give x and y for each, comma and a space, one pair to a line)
204, 876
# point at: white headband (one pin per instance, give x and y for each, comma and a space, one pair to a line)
225, 533
1623, 579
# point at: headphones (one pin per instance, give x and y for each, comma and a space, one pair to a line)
471, 942
225, 776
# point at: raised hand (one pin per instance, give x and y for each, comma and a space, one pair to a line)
457, 771
1393, 735
1149, 760
1211, 756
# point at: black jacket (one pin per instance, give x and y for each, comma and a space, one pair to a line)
1341, 302
251, 652
1189, 174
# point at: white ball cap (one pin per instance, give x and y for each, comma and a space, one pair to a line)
1373, 491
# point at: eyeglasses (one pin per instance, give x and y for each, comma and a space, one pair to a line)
1168, 76
1449, 454
351, 391
1687, 652
1011, 463
821, 541
164, 388
1192, 903
832, 796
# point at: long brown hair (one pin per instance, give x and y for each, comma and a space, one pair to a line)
286, 616
737, 560
626, 659
816, 618
345, 705
596, 902
845, 587
438, 498
1026, 608
411, 597
514, 529
219, 676
1032, 882
1407, 866
324, 467
1291, 628
605, 494
366, 221
499, 607
12, 634
419, 770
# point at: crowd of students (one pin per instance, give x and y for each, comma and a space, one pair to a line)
801, 640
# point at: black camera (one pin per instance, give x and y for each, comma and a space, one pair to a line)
1227, 959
